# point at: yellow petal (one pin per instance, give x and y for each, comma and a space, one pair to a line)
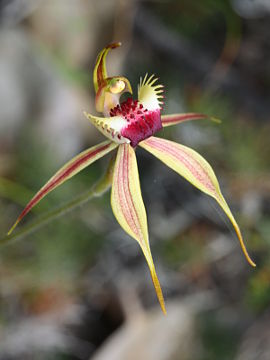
128, 207
194, 168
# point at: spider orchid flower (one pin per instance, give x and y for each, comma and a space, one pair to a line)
125, 125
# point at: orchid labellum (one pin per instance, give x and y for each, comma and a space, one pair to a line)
126, 125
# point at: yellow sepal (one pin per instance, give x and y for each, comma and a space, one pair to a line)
128, 207
194, 168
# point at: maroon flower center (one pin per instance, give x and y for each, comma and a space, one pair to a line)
141, 123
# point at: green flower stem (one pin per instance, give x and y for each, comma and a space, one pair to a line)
97, 190
17, 193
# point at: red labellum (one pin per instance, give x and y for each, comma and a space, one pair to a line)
141, 123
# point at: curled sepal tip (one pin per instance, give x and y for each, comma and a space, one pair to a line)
128, 207
100, 70
108, 89
194, 168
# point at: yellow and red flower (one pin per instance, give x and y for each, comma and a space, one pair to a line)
126, 125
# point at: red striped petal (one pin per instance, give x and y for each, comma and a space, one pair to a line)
174, 119
70, 169
128, 207
194, 168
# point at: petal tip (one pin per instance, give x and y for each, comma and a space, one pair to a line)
163, 308
13, 227
215, 119
251, 262
86, 114
114, 45
157, 287
238, 233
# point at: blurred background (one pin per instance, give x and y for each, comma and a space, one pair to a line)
79, 288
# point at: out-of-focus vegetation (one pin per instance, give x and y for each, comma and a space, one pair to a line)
68, 286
